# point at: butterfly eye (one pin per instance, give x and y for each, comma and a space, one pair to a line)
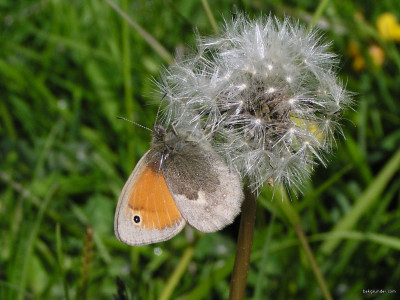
159, 132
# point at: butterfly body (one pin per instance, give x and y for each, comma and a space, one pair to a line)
178, 180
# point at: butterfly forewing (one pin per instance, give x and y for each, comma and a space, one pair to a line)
146, 211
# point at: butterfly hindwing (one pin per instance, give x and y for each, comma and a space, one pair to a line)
207, 192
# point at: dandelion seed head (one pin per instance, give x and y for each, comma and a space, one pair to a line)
265, 93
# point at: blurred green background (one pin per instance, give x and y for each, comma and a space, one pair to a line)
68, 68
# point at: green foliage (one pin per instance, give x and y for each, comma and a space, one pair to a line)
68, 68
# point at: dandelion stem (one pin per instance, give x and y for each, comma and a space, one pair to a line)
244, 244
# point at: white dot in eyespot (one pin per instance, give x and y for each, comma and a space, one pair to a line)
157, 251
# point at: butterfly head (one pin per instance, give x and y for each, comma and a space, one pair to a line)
159, 133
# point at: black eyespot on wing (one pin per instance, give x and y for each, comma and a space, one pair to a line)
136, 219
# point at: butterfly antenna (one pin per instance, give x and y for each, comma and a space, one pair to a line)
137, 124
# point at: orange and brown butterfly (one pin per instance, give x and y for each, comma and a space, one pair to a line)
178, 180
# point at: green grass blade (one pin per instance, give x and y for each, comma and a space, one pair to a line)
265, 252
145, 35
61, 261
381, 239
31, 242
177, 274
365, 201
210, 15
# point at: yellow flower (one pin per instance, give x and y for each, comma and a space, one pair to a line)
388, 27
377, 54
311, 126
358, 63
358, 60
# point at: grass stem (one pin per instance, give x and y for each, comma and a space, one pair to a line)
314, 266
210, 15
177, 274
295, 220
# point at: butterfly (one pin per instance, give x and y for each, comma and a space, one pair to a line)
179, 180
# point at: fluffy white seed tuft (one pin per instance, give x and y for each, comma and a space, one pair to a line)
266, 94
